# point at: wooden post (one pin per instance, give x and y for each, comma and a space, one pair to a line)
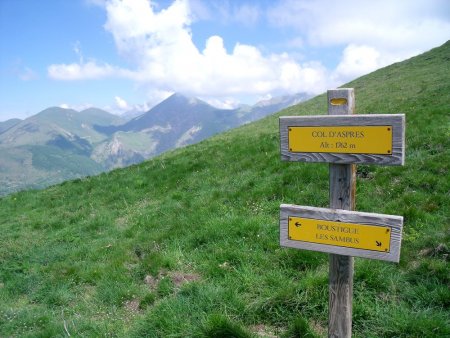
343, 141
342, 196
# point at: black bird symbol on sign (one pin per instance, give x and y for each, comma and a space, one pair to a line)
378, 243
297, 224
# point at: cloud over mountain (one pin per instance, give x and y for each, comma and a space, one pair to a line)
162, 57
159, 46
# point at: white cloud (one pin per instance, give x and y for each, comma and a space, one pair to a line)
373, 34
224, 103
356, 61
161, 47
121, 106
77, 107
121, 103
142, 107
158, 45
398, 27
393, 24
81, 71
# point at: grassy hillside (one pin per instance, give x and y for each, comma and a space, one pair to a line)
39, 166
186, 245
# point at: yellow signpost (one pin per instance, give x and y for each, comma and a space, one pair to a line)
344, 139
350, 235
341, 232
341, 139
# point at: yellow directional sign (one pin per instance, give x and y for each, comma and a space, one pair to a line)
350, 235
341, 139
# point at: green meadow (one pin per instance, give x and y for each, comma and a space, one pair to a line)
187, 244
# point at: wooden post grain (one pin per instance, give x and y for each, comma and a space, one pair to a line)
342, 196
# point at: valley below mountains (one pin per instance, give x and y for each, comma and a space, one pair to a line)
58, 144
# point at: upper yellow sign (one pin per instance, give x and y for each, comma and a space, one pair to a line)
350, 235
341, 139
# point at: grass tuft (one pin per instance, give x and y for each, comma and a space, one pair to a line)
299, 329
219, 326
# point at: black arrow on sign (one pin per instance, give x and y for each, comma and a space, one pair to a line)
378, 243
297, 224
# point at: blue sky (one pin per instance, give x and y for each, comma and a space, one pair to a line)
121, 55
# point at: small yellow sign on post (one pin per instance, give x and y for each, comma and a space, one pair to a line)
341, 139
342, 232
350, 235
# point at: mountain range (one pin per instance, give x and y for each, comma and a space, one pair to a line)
59, 144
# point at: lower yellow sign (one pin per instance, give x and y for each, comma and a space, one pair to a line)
350, 235
341, 139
